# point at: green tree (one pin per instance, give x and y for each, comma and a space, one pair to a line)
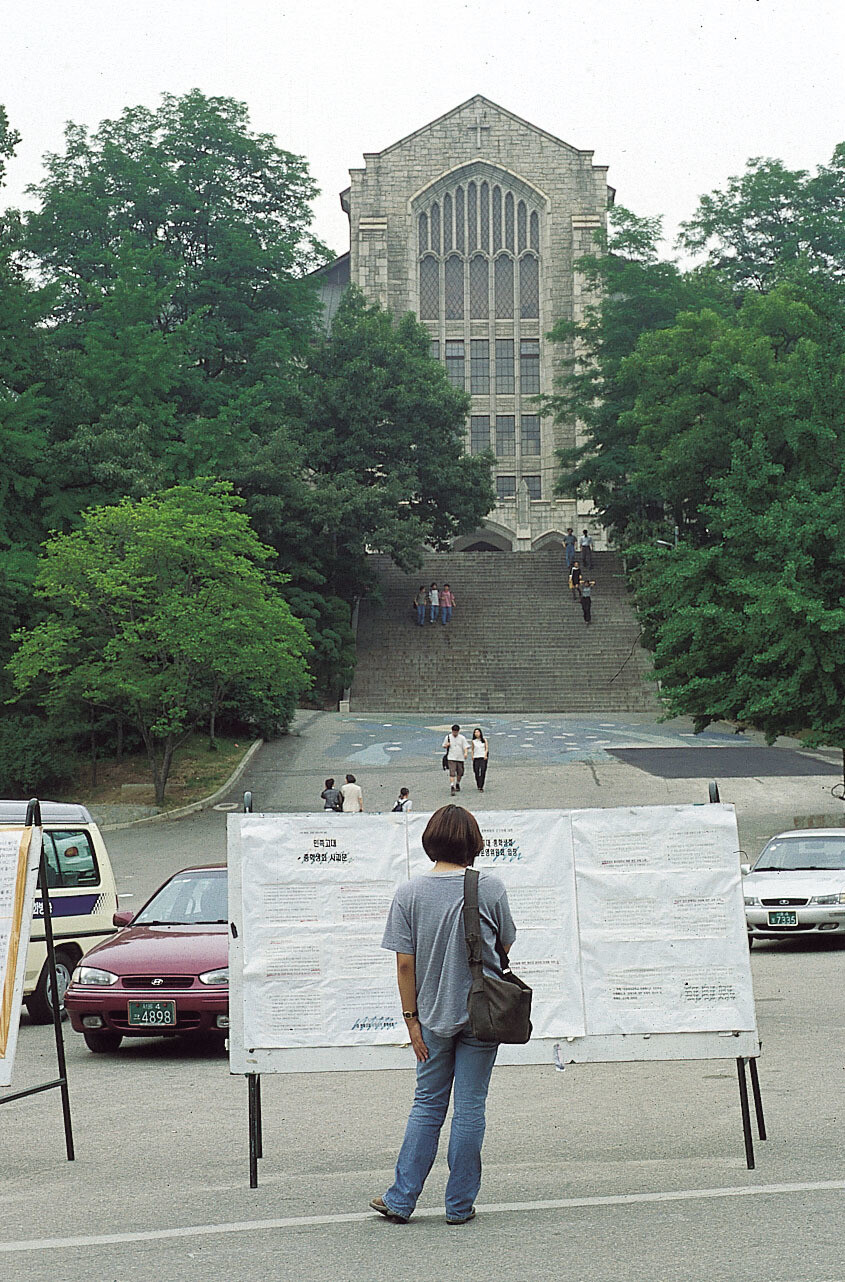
771, 220
384, 433
634, 294
747, 618
161, 611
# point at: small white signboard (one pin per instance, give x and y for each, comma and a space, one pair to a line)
20, 853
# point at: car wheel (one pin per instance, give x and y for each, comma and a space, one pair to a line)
750, 941
102, 1041
39, 1003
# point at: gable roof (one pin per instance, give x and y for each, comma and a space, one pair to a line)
478, 100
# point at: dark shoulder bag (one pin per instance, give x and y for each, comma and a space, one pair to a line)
499, 1009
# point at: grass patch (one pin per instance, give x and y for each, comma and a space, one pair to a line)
196, 773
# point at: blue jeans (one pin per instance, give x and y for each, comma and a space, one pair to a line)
445, 613
433, 618
469, 1063
421, 615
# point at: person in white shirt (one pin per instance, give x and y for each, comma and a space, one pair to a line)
480, 754
456, 748
586, 550
433, 602
353, 798
403, 801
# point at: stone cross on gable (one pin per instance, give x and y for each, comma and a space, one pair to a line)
478, 125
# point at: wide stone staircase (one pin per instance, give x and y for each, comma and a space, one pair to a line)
516, 643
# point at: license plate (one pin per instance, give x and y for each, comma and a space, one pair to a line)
783, 919
152, 1014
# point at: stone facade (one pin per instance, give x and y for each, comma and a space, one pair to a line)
474, 223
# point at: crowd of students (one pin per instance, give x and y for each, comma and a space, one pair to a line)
431, 603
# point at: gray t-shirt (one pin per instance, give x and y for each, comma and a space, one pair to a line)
426, 919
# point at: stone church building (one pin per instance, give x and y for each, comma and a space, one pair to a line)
474, 224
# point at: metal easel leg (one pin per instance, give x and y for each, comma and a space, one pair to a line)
758, 1100
254, 1089
57, 1011
746, 1115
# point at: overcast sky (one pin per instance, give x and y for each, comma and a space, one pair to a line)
673, 95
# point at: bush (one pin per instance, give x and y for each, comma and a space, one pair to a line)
35, 759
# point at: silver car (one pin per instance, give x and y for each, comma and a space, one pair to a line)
797, 885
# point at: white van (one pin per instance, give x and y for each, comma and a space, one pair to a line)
83, 898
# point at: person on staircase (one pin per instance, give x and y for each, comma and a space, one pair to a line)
420, 604
434, 602
447, 603
569, 547
575, 581
480, 757
456, 748
586, 550
587, 586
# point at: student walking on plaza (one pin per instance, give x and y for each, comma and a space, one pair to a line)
447, 603
587, 586
425, 928
456, 748
420, 603
403, 802
480, 757
434, 602
332, 796
353, 798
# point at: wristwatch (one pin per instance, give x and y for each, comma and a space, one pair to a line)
410, 1014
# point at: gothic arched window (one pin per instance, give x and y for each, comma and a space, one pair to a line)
479, 288
459, 220
535, 232
429, 288
503, 284
472, 218
509, 222
423, 233
497, 219
521, 228
453, 287
529, 287
485, 218
447, 223
435, 227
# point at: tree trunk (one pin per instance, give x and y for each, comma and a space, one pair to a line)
119, 747
212, 741
93, 741
160, 772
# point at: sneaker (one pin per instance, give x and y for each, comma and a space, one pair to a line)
379, 1204
466, 1219
457, 787
453, 790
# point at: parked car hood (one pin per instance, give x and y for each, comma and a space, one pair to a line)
800, 884
171, 950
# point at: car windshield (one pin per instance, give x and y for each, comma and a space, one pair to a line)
793, 854
188, 899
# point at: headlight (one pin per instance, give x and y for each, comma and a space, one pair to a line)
91, 976
750, 901
219, 976
827, 899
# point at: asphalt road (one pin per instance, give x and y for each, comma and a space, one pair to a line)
597, 1173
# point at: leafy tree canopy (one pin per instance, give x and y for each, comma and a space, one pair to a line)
162, 611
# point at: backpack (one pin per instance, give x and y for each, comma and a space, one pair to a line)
398, 807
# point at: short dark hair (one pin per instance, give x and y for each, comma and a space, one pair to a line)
330, 783
453, 836
403, 792
455, 728
350, 778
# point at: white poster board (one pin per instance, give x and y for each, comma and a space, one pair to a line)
630, 929
20, 853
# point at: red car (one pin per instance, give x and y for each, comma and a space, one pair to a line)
166, 972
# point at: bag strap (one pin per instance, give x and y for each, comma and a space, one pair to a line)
472, 928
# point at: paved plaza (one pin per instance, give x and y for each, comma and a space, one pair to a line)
596, 1174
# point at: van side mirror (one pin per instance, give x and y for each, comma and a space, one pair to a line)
745, 869
123, 917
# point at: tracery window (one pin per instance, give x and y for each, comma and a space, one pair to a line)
459, 220
503, 280
509, 222
472, 218
453, 285
521, 226
484, 213
535, 232
429, 288
529, 287
423, 233
497, 219
447, 223
479, 288
435, 227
